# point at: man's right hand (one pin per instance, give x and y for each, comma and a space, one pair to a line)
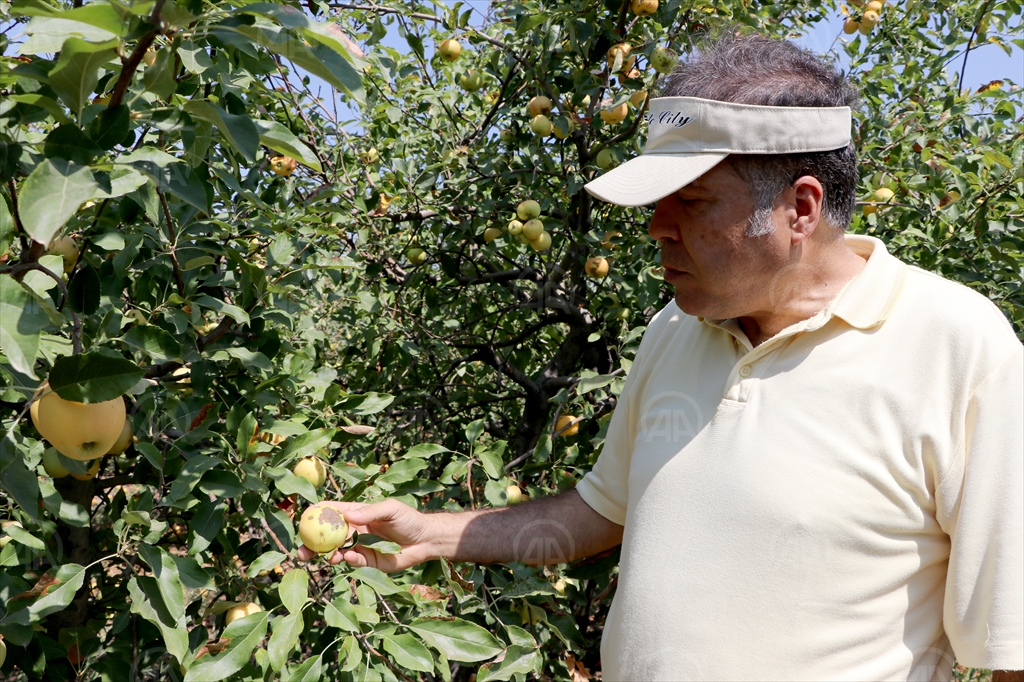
390, 520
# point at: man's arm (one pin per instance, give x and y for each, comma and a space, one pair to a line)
550, 530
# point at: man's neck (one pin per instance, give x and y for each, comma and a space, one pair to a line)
812, 289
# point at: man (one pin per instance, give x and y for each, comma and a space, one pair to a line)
815, 466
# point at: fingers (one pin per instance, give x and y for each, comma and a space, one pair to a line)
305, 553
364, 515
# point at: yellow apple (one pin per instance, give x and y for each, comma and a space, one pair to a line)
66, 248
539, 105
416, 256
868, 209
533, 228
621, 52
283, 165
559, 586
664, 60
884, 194
149, 58
371, 155
541, 125
875, 6
528, 210
597, 267
90, 472
607, 159
81, 431
607, 242
638, 97
615, 114
643, 8
123, 441
311, 469
514, 494
851, 25
323, 529
868, 21
515, 228
542, 242
491, 233
240, 611
52, 464
472, 80
563, 422
450, 50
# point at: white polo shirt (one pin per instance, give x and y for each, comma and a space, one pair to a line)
843, 502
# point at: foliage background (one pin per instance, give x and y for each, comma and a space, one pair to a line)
303, 328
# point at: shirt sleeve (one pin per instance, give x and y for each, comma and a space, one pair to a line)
981, 508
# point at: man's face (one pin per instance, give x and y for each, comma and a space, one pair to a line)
717, 271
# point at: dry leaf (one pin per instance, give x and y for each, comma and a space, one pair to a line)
358, 429
577, 671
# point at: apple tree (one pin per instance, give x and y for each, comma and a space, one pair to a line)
274, 236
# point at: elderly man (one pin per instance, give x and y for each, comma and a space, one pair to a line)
815, 466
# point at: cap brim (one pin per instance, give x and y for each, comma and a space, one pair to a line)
650, 177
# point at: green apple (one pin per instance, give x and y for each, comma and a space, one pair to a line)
513, 494
416, 256
528, 210
541, 125
664, 60
491, 233
472, 80
607, 159
52, 464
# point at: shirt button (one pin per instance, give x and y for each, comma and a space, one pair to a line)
745, 371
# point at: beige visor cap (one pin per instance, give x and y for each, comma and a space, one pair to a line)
688, 136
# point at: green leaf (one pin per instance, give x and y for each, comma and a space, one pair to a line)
588, 384
51, 105
111, 126
491, 459
232, 311
154, 342
147, 602
426, 450
341, 614
243, 635
311, 670
77, 72
280, 139
265, 562
307, 444
190, 475
166, 573
518, 661
49, 34
457, 639
98, 14
409, 653
240, 131
52, 194
294, 590
193, 576
159, 78
68, 142
286, 636
56, 597
290, 484
21, 321
93, 377
22, 536
401, 471
84, 290
376, 579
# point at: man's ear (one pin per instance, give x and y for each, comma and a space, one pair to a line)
807, 196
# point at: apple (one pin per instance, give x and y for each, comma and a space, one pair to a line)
513, 494
541, 125
620, 52
311, 469
585, 102
491, 233
542, 242
3, 651
528, 210
450, 50
868, 21
607, 242
515, 228
323, 529
851, 25
539, 105
149, 58
564, 422
597, 267
66, 248
416, 256
562, 128
615, 114
371, 155
283, 165
875, 6
643, 8
664, 60
472, 80
508, 136
4, 537
638, 97
607, 159
90, 472
137, 316
533, 228
868, 209
624, 314
884, 194
246, 608
123, 440
560, 586
52, 464
81, 431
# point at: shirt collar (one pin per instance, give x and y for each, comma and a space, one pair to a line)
869, 298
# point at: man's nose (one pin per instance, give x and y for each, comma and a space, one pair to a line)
662, 225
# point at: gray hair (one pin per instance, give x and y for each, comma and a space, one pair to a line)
754, 69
